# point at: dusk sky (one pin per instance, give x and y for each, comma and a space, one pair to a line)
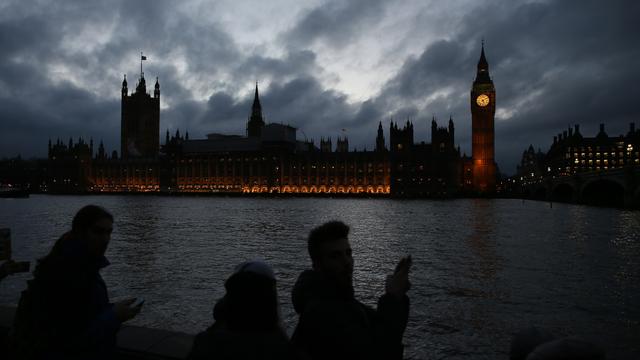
322, 66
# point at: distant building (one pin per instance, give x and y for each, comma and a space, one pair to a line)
140, 121
483, 109
572, 153
532, 163
270, 159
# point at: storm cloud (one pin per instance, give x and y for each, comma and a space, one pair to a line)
327, 67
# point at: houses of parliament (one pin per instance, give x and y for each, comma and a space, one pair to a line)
270, 159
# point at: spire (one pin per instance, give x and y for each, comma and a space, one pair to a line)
483, 60
256, 102
101, 153
125, 90
156, 91
256, 121
482, 75
142, 85
380, 138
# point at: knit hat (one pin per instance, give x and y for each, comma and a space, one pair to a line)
256, 266
567, 348
526, 340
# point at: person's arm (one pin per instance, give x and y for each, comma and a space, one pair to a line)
76, 322
103, 326
5, 268
392, 313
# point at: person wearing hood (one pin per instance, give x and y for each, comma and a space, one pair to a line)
65, 311
332, 323
246, 320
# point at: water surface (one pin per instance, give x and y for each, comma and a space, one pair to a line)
483, 269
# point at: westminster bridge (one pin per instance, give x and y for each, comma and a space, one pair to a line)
619, 187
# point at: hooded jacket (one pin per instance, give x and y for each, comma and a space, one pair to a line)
65, 312
334, 325
245, 323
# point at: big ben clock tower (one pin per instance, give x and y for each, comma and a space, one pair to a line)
483, 109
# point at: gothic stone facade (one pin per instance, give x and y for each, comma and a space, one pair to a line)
269, 159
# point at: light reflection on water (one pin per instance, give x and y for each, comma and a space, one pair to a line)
482, 268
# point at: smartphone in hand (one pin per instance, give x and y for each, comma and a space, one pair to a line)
137, 303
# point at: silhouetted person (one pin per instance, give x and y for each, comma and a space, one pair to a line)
333, 324
65, 312
524, 341
247, 321
538, 344
569, 348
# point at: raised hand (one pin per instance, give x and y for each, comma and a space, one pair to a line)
398, 283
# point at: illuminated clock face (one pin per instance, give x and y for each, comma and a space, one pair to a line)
482, 100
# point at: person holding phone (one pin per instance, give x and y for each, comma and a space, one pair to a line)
65, 311
332, 323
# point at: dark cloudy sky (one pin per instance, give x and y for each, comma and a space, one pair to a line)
322, 66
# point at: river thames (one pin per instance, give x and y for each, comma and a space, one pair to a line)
483, 269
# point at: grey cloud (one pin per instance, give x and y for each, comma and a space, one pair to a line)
579, 55
29, 123
295, 63
335, 22
300, 102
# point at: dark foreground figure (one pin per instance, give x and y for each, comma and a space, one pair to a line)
247, 321
65, 312
538, 344
333, 324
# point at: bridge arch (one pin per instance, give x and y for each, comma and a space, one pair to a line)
603, 192
563, 193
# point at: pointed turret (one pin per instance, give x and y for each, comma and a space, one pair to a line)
451, 128
256, 107
482, 75
142, 85
256, 121
125, 89
101, 153
380, 138
156, 91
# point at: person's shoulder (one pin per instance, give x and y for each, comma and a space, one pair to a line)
305, 290
204, 343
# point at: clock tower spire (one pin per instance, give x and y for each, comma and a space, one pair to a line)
483, 109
